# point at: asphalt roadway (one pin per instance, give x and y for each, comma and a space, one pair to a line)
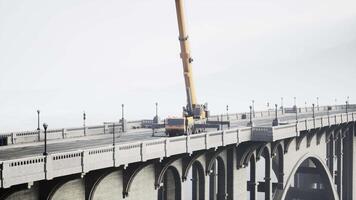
62, 145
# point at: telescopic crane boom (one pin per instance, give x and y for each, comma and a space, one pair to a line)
193, 108
194, 113
186, 57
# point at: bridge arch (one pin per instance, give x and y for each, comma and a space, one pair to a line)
170, 187
68, 189
110, 180
278, 163
321, 167
265, 152
198, 181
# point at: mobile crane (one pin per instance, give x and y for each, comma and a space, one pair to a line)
194, 115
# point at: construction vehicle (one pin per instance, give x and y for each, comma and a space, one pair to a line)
195, 115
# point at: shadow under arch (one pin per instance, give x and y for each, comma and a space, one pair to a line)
198, 181
322, 168
217, 180
170, 188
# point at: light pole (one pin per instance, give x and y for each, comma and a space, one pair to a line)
38, 120
306, 108
84, 118
227, 112
282, 105
113, 134
313, 114
275, 120
122, 118
250, 122
156, 109
45, 140
155, 119
253, 108
317, 102
335, 103
329, 108
347, 103
268, 108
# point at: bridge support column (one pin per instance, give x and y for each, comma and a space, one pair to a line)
354, 160
348, 163
339, 153
268, 183
331, 154
252, 184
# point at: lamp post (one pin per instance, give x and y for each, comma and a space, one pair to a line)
282, 104
328, 110
313, 111
347, 103
38, 120
335, 103
113, 134
84, 118
122, 118
317, 102
305, 104
253, 108
250, 123
275, 120
156, 109
268, 108
45, 140
155, 118
227, 112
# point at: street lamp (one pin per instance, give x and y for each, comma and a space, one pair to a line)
156, 109
275, 120
250, 123
268, 108
347, 103
122, 118
335, 103
113, 134
38, 120
155, 118
317, 102
313, 111
253, 108
45, 140
329, 108
306, 108
281, 104
84, 118
227, 112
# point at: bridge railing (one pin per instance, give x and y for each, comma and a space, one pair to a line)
24, 170
107, 128
34, 168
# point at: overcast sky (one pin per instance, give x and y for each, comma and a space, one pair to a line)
64, 57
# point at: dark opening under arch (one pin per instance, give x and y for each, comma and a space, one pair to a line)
170, 188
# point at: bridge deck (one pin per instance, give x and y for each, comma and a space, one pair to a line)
81, 143
26, 164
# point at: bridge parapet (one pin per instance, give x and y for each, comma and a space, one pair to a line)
107, 128
271, 134
35, 168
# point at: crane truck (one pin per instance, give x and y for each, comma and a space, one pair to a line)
195, 115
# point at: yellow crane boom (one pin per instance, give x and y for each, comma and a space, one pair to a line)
186, 57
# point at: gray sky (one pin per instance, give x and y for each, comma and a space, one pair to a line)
64, 57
